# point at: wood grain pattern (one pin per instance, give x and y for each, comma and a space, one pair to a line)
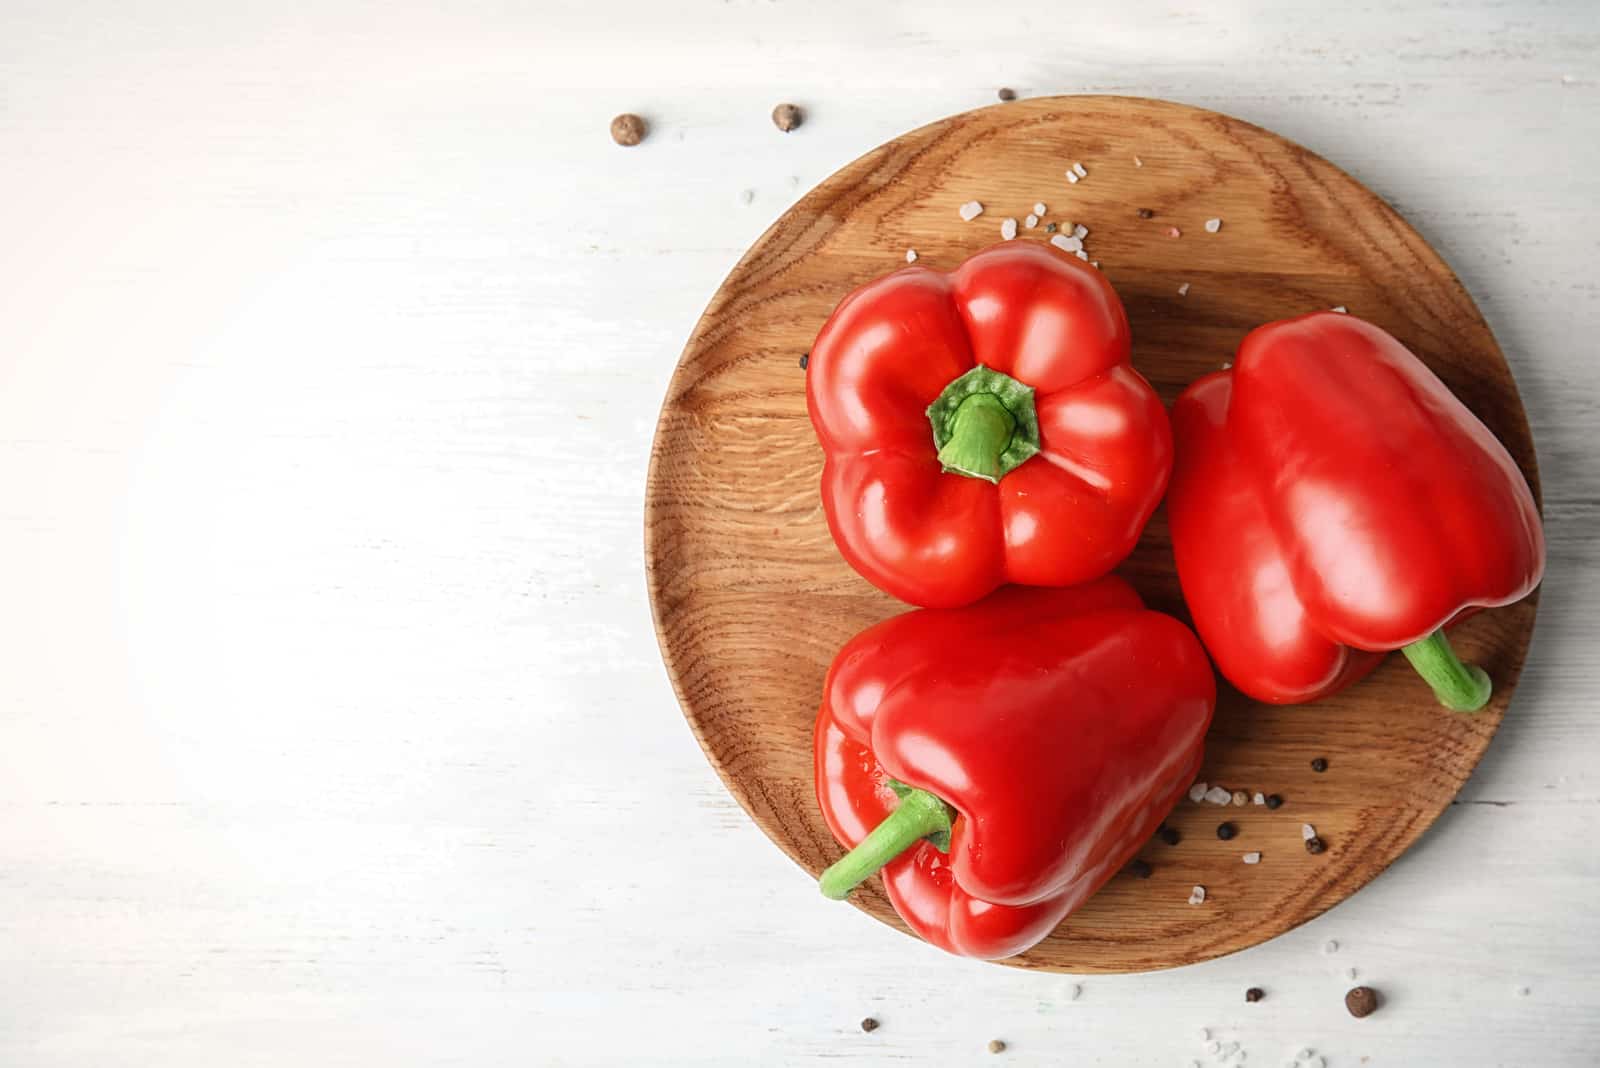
751, 599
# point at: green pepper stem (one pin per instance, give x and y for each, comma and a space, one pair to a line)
918, 815
980, 430
1460, 687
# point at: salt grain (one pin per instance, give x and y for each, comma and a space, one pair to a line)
1073, 990
1008, 229
1031, 221
1524, 991
1350, 974
1330, 946
1196, 896
1218, 796
1259, 798
1319, 1061
1341, 309
1077, 168
1173, 231
1082, 255
1038, 209
1304, 1054
1071, 244
1205, 1034
911, 255
1252, 858
1080, 230
1307, 832
1183, 290
1213, 225
1060, 242
1095, 264
748, 195
971, 210
1197, 792
1073, 178
1213, 1047
1137, 162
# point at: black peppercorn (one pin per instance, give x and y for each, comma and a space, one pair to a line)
1274, 800
869, 1025
1140, 869
805, 359
1319, 765
1146, 213
1007, 95
1169, 835
1315, 845
1254, 994
1226, 831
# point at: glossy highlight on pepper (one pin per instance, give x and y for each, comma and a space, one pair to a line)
985, 426
1046, 732
1333, 501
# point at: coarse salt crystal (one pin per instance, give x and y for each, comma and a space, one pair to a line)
1350, 974
1070, 243
1008, 228
1213, 1047
1080, 230
1304, 1054
1230, 1049
1205, 1034
748, 195
1038, 209
1031, 221
1082, 255
1213, 225
1218, 796
1524, 991
1197, 792
1252, 858
1060, 242
1341, 309
1259, 798
1095, 264
911, 255
1307, 832
1137, 162
1077, 168
1183, 290
1196, 896
1073, 178
1330, 946
971, 210
1073, 990
1319, 1061
1173, 231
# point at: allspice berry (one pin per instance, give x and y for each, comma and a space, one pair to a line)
1254, 994
996, 1046
787, 116
1361, 1001
1007, 95
869, 1025
628, 129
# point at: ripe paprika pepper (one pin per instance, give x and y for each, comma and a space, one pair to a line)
1000, 762
985, 426
1334, 501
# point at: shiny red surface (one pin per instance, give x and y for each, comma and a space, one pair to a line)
1332, 501
1061, 724
1070, 513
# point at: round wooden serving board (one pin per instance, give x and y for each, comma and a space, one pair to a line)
751, 599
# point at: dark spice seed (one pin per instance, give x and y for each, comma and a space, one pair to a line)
1315, 846
1274, 800
805, 359
1361, 1001
869, 1025
1146, 213
1007, 95
628, 130
1319, 765
1050, 228
1169, 835
787, 117
1226, 831
1140, 869
1254, 994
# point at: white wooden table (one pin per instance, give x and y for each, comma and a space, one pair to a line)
332, 727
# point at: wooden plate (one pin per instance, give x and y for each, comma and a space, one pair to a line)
751, 600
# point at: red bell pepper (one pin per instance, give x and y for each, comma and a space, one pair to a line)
1001, 761
1334, 501
984, 426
